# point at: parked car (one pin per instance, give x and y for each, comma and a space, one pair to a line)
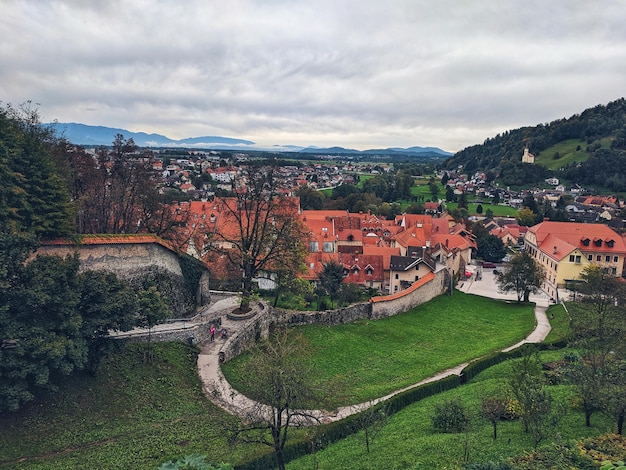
487, 264
497, 272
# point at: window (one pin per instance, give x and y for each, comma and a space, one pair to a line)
586, 242
610, 243
598, 257
578, 259
369, 271
313, 247
615, 259
607, 258
590, 257
571, 258
614, 271
395, 288
328, 247
417, 278
396, 276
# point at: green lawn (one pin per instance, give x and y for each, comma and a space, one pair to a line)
565, 153
132, 415
498, 210
408, 441
559, 321
375, 358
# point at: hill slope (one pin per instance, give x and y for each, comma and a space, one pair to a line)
559, 145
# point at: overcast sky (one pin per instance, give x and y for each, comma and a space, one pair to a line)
352, 73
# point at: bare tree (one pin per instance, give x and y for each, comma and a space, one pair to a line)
259, 229
282, 384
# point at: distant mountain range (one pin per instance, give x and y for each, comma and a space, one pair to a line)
83, 134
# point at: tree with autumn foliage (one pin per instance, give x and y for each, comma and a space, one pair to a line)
259, 229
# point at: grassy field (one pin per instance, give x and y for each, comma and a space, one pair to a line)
498, 210
132, 415
375, 358
565, 153
559, 322
408, 441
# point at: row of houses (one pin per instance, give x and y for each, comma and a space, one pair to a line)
386, 255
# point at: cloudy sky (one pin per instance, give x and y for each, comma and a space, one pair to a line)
353, 73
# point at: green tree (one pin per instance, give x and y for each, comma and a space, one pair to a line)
538, 413
463, 201
311, 199
598, 321
450, 197
152, 310
489, 213
490, 248
41, 320
107, 303
526, 217
33, 197
433, 188
479, 209
522, 275
331, 278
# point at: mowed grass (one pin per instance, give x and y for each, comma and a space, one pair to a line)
408, 440
565, 153
134, 414
498, 210
374, 358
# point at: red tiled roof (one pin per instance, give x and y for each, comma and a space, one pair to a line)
112, 239
574, 233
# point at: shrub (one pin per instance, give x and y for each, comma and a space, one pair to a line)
451, 416
489, 466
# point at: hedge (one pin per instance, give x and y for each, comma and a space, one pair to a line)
335, 431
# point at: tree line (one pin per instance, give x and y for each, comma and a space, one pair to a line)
502, 153
54, 319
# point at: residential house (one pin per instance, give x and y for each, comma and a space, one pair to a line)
405, 270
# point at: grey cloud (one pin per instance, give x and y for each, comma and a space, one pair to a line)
353, 73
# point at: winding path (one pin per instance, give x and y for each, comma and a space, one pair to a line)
219, 391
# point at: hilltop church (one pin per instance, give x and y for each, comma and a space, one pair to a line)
528, 157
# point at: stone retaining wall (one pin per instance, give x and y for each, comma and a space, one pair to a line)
195, 334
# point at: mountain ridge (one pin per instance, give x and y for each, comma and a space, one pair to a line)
84, 134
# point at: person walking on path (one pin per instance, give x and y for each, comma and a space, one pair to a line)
212, 330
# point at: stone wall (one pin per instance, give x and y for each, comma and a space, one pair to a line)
420, 292
140, 260
282, 317
120, 258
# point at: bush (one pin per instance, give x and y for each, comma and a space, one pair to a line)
489, 466
451, 417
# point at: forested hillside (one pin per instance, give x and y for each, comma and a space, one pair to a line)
601, 131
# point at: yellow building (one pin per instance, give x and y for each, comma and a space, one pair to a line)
564, 249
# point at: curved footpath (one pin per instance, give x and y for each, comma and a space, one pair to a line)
222, 394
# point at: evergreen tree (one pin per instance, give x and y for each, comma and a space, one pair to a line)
34, 197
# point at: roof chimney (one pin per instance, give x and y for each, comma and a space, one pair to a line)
555, 250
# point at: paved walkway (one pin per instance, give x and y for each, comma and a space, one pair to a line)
222, 394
